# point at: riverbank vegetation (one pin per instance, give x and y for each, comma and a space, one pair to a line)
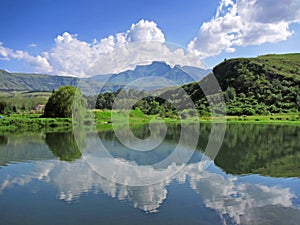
265, 89
102, 120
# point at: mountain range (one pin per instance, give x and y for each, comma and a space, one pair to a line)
260, 85
152, 77
33, 82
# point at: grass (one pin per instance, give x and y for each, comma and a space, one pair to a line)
284, 119
102, 120
33, 122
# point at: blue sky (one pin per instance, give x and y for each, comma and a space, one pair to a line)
39, 35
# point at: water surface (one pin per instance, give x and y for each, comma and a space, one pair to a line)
45, 179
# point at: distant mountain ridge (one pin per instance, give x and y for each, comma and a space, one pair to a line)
33, 82
102, 83
172, 76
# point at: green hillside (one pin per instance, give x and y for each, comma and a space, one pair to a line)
23, 101
33, 82
261, 85
266, 83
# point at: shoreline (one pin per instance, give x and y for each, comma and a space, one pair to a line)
102, 121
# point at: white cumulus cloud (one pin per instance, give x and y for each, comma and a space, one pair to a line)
143, 43
39, 62
144, 31
245, 22
236, 23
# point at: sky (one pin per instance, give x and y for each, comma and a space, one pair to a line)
85, 38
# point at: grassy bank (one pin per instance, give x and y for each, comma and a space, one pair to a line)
33, 122
283, 119
102, 120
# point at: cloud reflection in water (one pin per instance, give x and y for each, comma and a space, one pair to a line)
230, 196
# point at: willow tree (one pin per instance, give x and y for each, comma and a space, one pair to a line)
65, 101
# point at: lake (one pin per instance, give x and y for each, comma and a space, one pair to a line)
66, 178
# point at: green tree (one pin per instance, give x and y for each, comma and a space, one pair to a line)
298, 101
105, 100
3, 107
64, 101
230, 94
